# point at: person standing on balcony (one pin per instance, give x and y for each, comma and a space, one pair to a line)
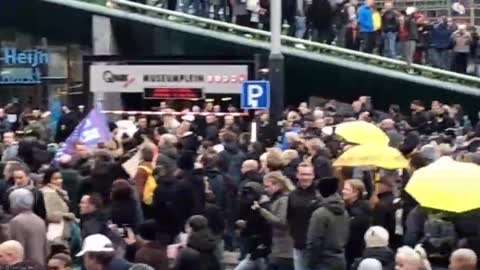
367, 29
413, 36
440, 43
320, 14
390, 30
462, 40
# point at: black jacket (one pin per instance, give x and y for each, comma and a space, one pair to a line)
93, 223
199, 253
168, 206
301, 204
211, 133
191, 195
389, 21
321, 14
359, 213
384, 213
38, 201
251, 176
126, 212
290, 170
216, 219
322, 165
383, 254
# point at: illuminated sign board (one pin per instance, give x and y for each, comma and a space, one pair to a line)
197, 79
22, 66
172, 93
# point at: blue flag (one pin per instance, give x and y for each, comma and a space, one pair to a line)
92, 130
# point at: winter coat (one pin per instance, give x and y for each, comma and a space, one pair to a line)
359, 213
71, 184
389, 21
440, 38
290, 170
38, 204
199, 253
66, 125
301, 204
251, 176
232, 157
414, 226
217, 185
383, 213
30, 230
168, 206
365, 19
126, 212
276, 215
56, 203
412, 28
322, 166
257, 235
93, 223
266, 134
216, 219
153, 254
327, 235
321, 14
383, 254
211, 133
10, 152
191, 195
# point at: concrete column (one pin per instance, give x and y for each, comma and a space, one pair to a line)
104, 44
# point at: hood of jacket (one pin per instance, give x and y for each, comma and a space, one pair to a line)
334, 204
202, 241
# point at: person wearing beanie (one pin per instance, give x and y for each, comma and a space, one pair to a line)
328, 229
376, 247
26, 227
370, 264
200, 249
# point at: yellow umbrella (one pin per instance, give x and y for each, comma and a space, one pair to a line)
361, 132
372, 155
447, 185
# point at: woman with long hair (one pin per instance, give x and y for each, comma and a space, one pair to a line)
278, 187
359, 211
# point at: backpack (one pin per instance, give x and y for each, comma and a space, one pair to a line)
440, 237
150, 186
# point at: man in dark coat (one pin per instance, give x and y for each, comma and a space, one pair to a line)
66, 125
92, 220
328, 230
232, 157
383, 213
301, 204
191, 187
211, 132
201, 244
250, 173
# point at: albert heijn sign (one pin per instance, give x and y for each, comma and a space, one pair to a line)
22, 66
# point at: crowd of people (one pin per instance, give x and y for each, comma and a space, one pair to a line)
181, 190
405, 33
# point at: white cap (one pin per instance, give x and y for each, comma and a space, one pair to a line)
96, 243
410, 10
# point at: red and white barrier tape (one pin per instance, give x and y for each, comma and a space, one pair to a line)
177, 113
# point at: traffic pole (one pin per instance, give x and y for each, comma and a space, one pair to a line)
276, 64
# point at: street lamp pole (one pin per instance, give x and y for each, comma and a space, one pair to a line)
276, 63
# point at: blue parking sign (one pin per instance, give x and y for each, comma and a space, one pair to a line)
255, 95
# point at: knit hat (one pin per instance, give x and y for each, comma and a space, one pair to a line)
376, 236
21, 199
370, 264
328, 186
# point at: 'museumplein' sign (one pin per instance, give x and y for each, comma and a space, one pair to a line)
22, 66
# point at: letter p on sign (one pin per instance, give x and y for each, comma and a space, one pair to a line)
255, 95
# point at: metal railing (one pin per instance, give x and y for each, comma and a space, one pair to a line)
260, 38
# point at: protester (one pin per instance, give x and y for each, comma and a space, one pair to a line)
10, 146
125, 210
12, 253
60, 261
301, 204
359, 211
26, 227
278, 187
98, 254
199, 252
376, 247
92, 220
328, 229
150, 252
